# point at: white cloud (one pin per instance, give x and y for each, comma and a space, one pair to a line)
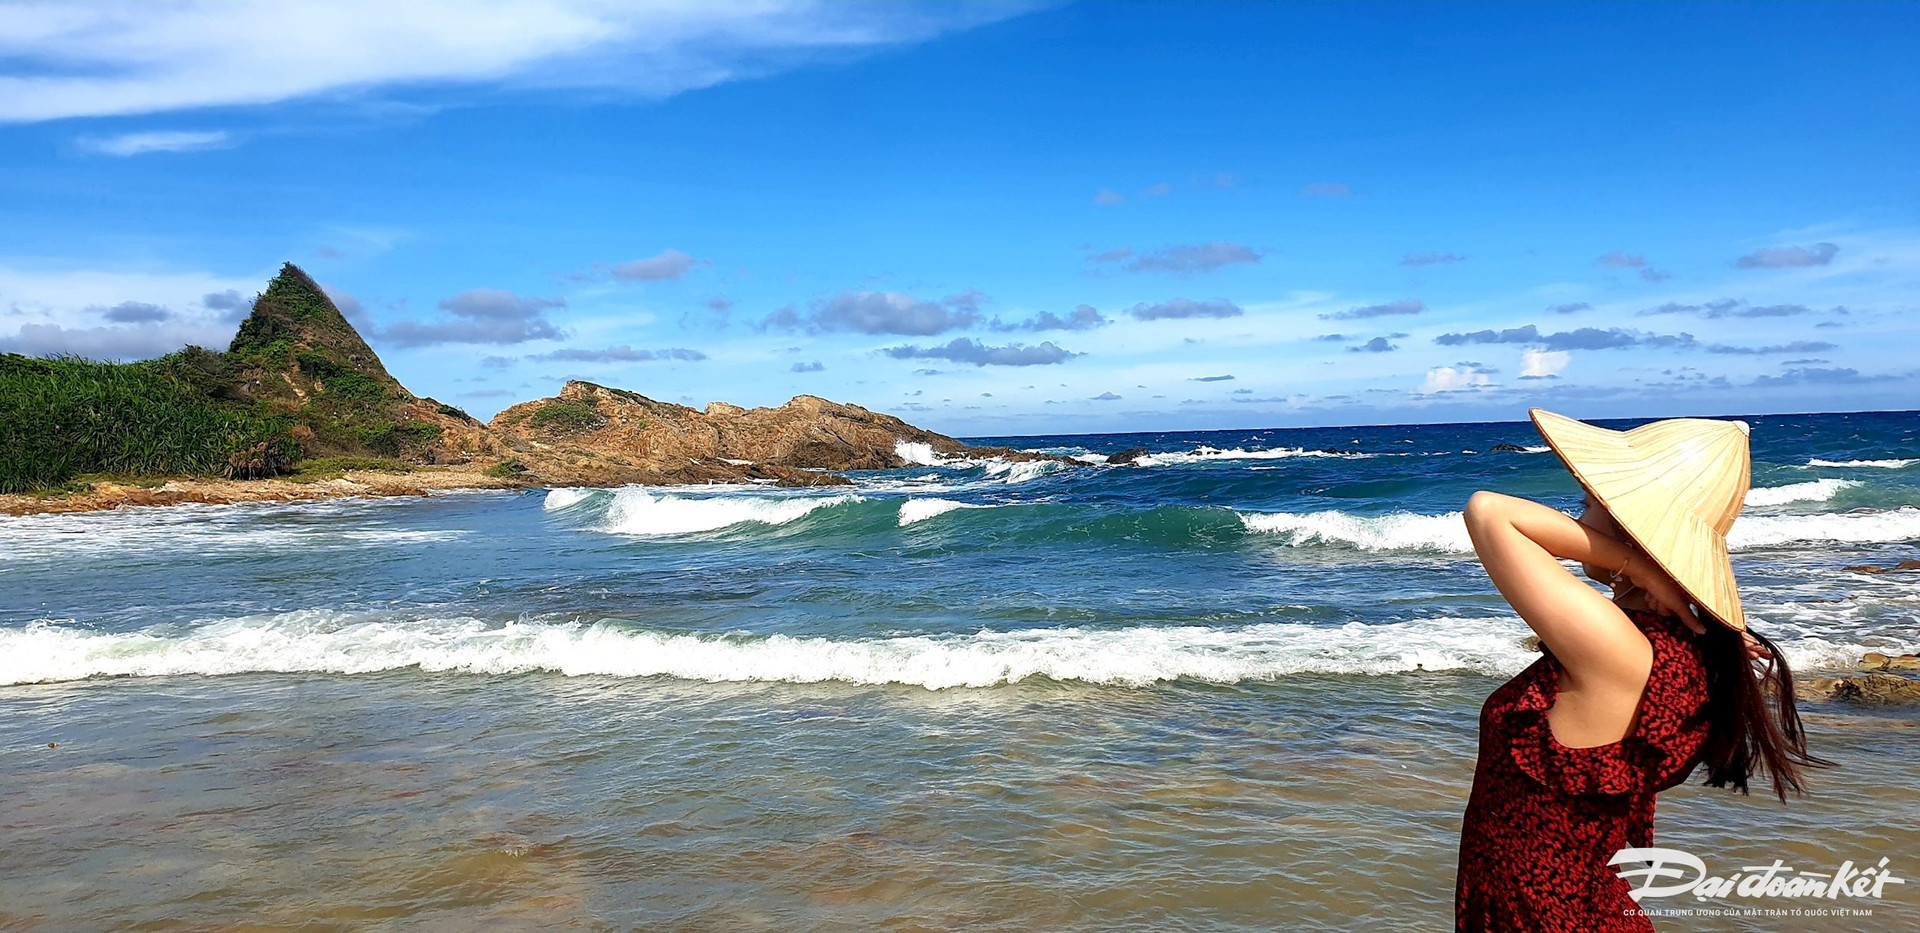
1538, 364
131, 144
1451, 379
89, 60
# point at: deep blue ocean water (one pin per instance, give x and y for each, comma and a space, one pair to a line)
1187, 692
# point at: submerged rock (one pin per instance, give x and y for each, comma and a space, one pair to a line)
1869, 568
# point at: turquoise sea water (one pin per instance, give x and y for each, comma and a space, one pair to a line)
1230, 687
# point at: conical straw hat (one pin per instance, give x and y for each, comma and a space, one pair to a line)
1674, 486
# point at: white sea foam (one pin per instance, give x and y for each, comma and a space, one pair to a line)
356, 643
1408, 531
1205, 454
1901, 524
323, 641
919, 510
251, 528
1819, 490
918, 454
635, 511
1010, 472
1391, 532
1884, 464
565, 498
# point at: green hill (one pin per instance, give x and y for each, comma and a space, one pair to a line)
298, 381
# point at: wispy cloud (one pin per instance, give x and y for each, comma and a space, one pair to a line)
666, 265
620, 354
1584, 338
1403, 306
1622, 260
132, 144
1082, 317
1185, 308
1326, 189
1796, 346
881, 313
1431, 259
481, 315
1180, 260
968, 350
1729, 307
1788, 257
89, 60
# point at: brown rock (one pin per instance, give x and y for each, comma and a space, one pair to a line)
596, 435
1869, 568
1866, 689
1874, 660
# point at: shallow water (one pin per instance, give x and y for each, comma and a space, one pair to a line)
1218, 692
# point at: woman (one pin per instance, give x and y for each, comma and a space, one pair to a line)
1631, 692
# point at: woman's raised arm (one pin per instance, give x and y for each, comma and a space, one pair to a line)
1518, 541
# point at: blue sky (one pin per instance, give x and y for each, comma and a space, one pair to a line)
996, 219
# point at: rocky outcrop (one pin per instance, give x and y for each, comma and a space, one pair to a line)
1127, 456
596, 435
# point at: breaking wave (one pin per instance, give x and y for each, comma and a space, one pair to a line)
1409, 531
1819, 490
1893, 464
635, 511
325, 641
1205, 454
919, 510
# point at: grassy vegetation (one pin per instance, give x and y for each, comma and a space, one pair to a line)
506, 468
66, 416
566, 417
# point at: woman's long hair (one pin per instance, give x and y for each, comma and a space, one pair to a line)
1753, 725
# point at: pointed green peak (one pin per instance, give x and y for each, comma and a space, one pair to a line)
295, 315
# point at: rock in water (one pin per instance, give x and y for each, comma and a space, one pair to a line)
1866, 689
1127, 456
1869, 568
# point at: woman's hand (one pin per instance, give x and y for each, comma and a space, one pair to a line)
1664, 594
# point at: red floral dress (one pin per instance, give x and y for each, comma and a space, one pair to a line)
1543, 818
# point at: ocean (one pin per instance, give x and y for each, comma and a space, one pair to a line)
1230, 686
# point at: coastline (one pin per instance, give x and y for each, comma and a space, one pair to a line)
107, 495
